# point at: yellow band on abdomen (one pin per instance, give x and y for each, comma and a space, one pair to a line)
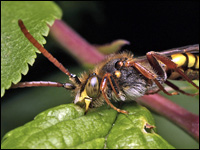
197, 63
191, 60
179, 59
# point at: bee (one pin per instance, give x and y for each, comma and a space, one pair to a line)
121, 77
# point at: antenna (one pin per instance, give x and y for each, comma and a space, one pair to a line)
73, 77
42, 49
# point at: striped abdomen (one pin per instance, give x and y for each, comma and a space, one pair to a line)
187, 62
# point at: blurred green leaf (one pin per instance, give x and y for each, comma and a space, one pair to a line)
66, 126
112, 47
16, 51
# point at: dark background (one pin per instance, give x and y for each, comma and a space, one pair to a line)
148, 25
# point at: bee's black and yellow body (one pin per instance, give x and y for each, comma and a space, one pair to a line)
189, 64
130, 82
122, 77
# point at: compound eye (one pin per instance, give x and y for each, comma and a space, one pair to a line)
119, 64
92, 87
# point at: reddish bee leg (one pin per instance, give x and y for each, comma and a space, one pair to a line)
177, 88
106, 78
163, 89
43, 83
152, 56
148, 74
152, 92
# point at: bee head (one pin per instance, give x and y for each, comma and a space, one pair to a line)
90, 91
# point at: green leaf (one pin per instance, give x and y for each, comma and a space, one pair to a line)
66, 126
16, 51
112, 47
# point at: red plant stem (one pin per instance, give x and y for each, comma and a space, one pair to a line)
178, 115
76, 45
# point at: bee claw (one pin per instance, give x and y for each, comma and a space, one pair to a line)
175, 93
122, 111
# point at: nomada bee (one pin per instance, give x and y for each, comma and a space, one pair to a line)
121, 77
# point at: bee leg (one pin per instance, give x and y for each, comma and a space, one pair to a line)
152, 56
177, 89
152, 92
163, 89
148, 74
106, 78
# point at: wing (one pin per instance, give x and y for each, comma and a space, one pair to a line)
185, 49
